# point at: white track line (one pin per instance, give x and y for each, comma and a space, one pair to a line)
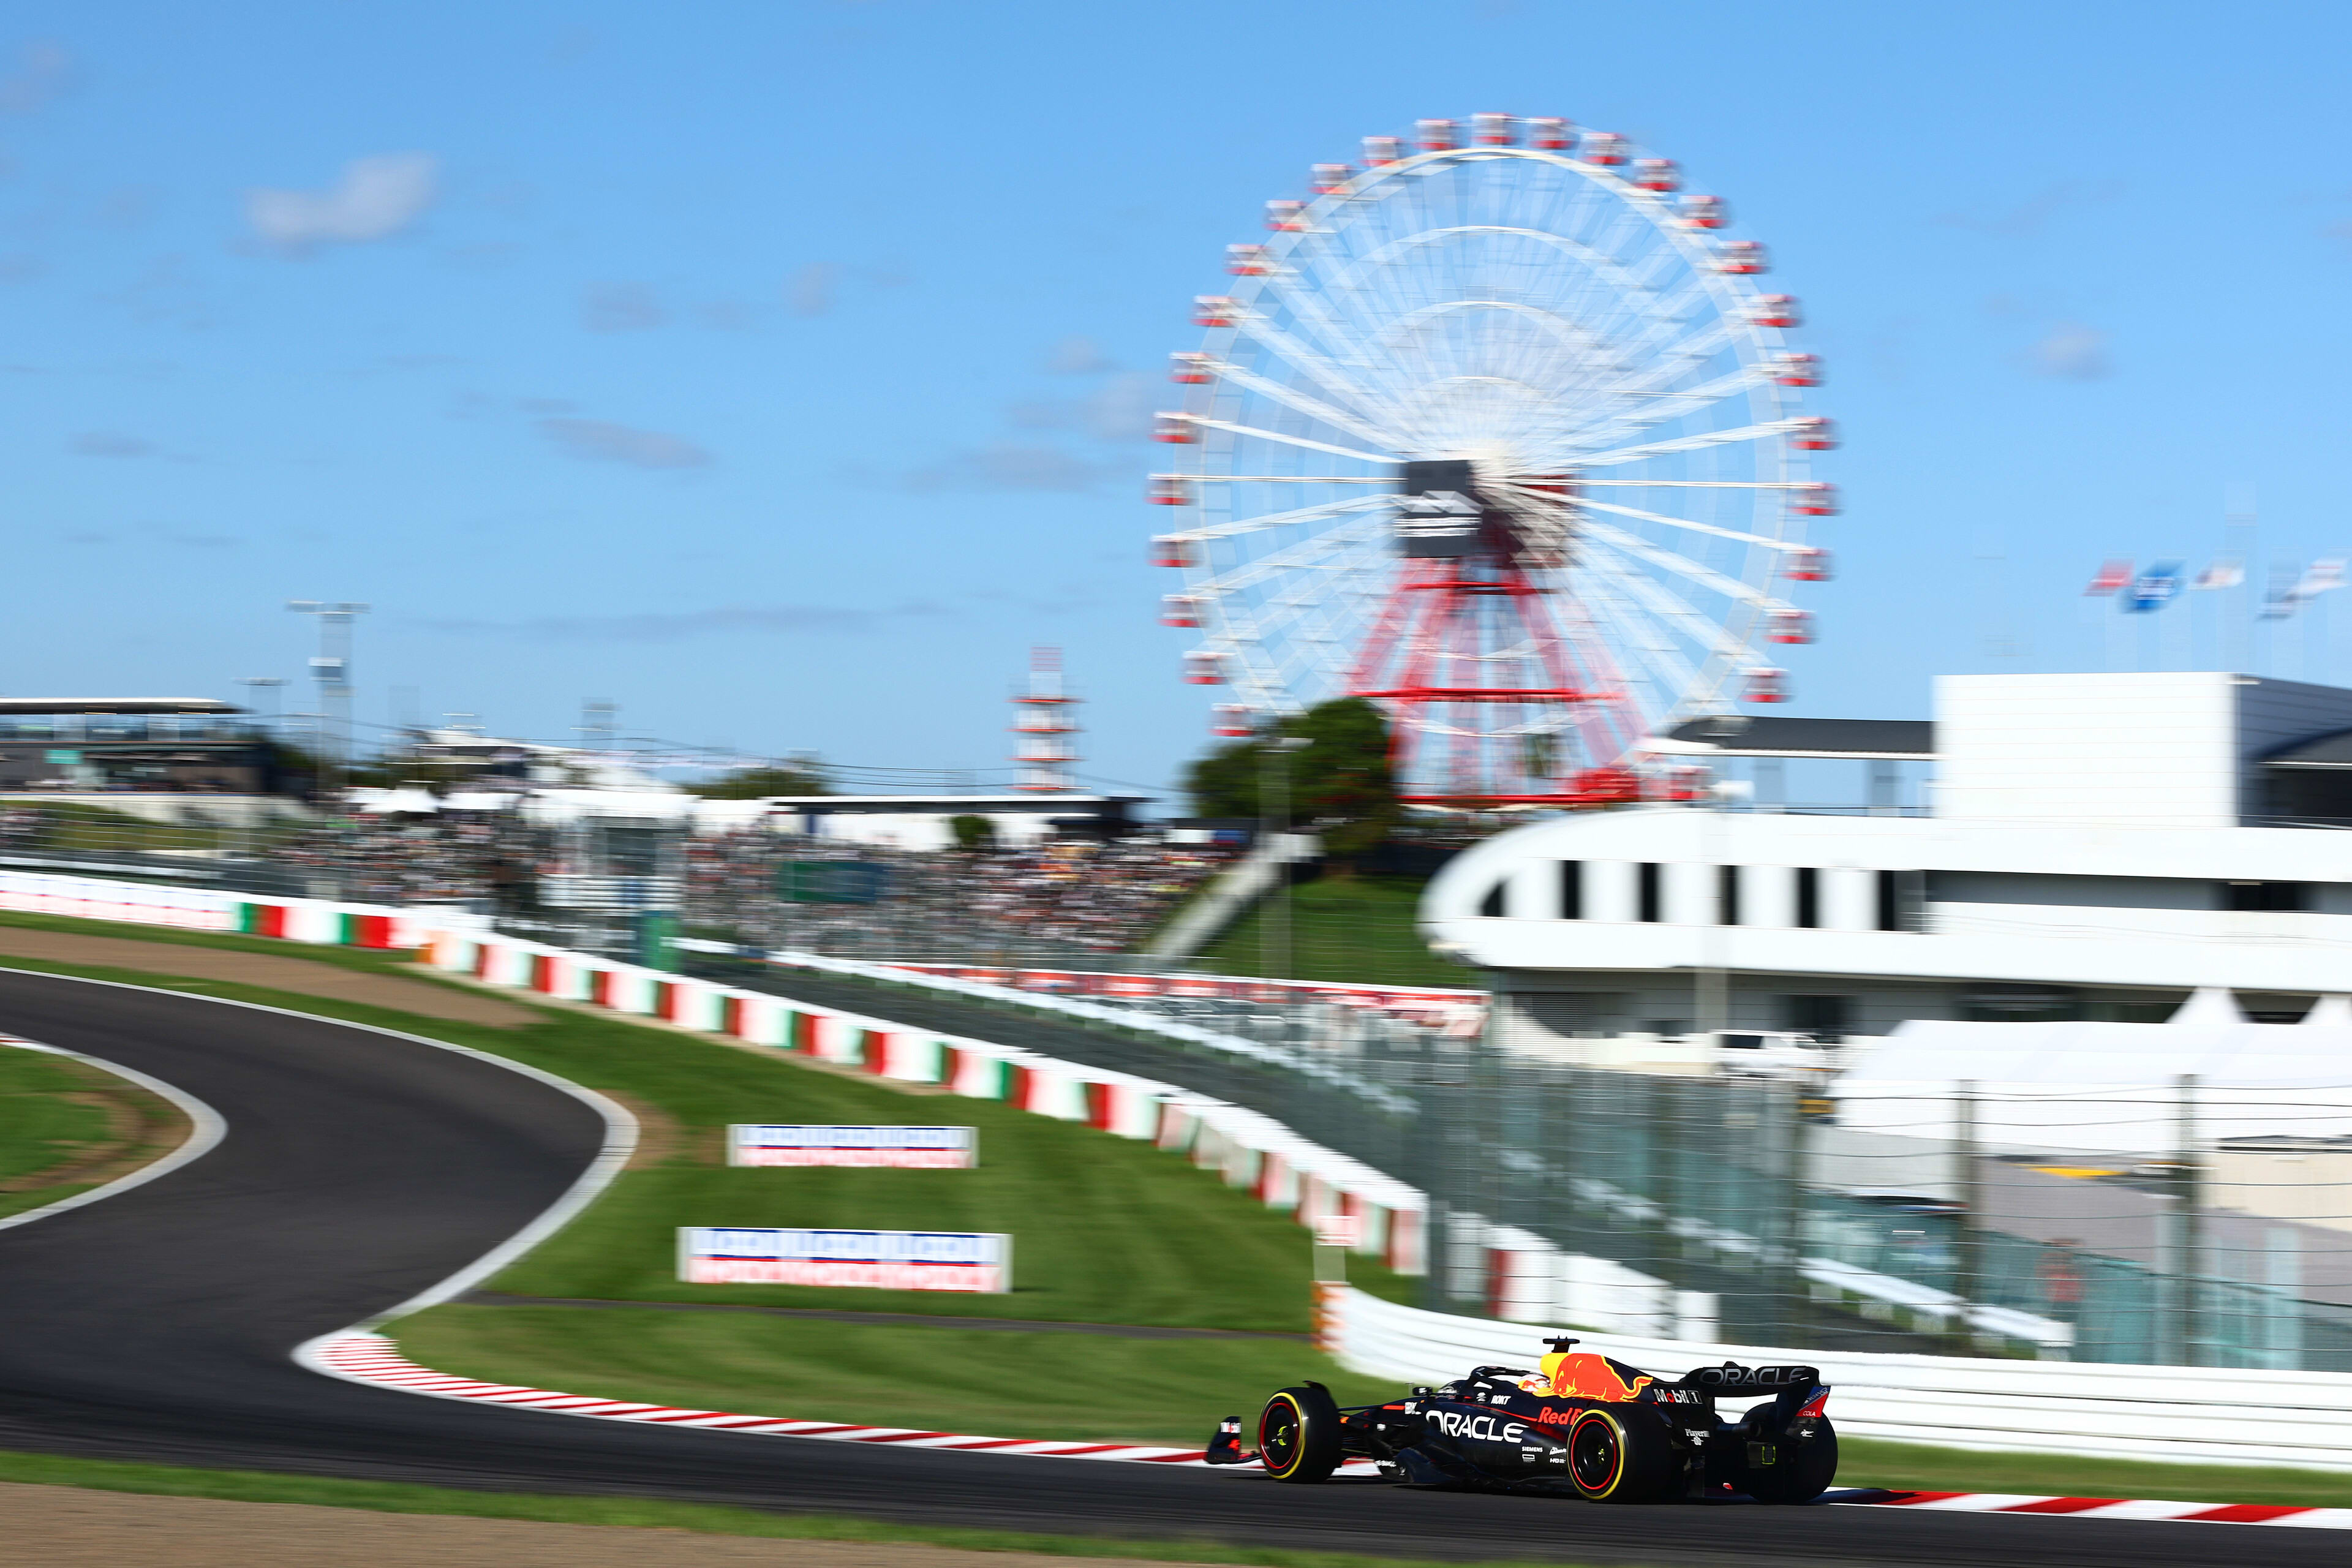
208, 1128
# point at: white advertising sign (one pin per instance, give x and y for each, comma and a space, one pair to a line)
878, 1259
903, 1147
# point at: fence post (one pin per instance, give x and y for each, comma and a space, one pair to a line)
1967, 1265
2188, 1198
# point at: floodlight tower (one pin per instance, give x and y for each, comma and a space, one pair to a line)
1045, 718
333, 669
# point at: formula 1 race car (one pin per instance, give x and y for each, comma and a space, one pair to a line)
1582, 1423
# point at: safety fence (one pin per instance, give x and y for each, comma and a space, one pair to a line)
2174, 1226
2213, 1415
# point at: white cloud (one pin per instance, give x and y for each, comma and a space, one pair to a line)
810, 290
1121, 408
2071, 351
600, 440
374, 198
620, 308
109, 444
44, 73
1006, 466
1077, 356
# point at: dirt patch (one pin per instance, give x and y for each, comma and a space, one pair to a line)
66, 1527
268, 969
660, 1135
140, 1128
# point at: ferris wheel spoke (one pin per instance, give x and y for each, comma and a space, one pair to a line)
1645, 643
1305, 553
1291, 397
1701, 629
1326, 372
1673, 406
1688, 443
1255, 432
1762, 541
1697, 484
1265, 521
1683, 566
1338, 343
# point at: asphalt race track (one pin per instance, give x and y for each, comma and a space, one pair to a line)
360, 1168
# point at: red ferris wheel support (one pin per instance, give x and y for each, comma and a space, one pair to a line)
1482, 677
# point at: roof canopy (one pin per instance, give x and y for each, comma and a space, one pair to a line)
116, 705
1738, 735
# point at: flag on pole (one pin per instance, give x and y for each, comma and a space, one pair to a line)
2113, 575
2290, 592
2154, 588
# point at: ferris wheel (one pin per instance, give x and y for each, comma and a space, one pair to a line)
1497, 431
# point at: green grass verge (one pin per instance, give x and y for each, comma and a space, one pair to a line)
41, 1129
745, 1361
393, 1497
1344, 929
1107, 1229
988, 1382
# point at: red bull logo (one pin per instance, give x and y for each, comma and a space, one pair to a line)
1582, 1374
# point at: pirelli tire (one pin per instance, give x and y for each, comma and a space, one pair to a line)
1298, 1435
1801, 1470
1621, 1455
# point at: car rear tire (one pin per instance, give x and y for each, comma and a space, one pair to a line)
1298, 1435
1806, 1468
1614, 1457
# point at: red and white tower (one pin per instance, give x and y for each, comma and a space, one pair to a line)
1045, 719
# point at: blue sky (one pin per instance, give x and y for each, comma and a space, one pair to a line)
778, 371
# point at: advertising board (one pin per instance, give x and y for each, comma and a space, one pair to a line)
1438, 516
870, 1148
876, 1260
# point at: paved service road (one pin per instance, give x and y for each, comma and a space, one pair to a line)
360, 1168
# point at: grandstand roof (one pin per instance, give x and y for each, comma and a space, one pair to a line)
117, 705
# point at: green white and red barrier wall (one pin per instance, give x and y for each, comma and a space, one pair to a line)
1286, 1171
317, 920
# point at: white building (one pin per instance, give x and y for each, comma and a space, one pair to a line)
2096, 847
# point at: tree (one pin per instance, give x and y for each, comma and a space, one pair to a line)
1339, 783
802, 775
973, 832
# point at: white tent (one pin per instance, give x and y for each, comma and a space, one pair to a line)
2111, 1088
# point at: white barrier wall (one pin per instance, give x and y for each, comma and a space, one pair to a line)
2212, 1415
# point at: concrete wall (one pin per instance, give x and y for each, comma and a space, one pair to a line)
2147, 750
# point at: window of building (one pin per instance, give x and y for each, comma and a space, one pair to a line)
1572, 889
1809, 898
1491, 906
1823, 1017
1651, 899
1726, 894
1902, 900
2260, 896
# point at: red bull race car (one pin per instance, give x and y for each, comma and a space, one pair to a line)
1581, 1423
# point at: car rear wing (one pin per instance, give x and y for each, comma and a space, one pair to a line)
1734, 1379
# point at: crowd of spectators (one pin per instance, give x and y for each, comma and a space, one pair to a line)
1068, 897
1060, 899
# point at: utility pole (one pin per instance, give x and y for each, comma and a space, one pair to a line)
332, 668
